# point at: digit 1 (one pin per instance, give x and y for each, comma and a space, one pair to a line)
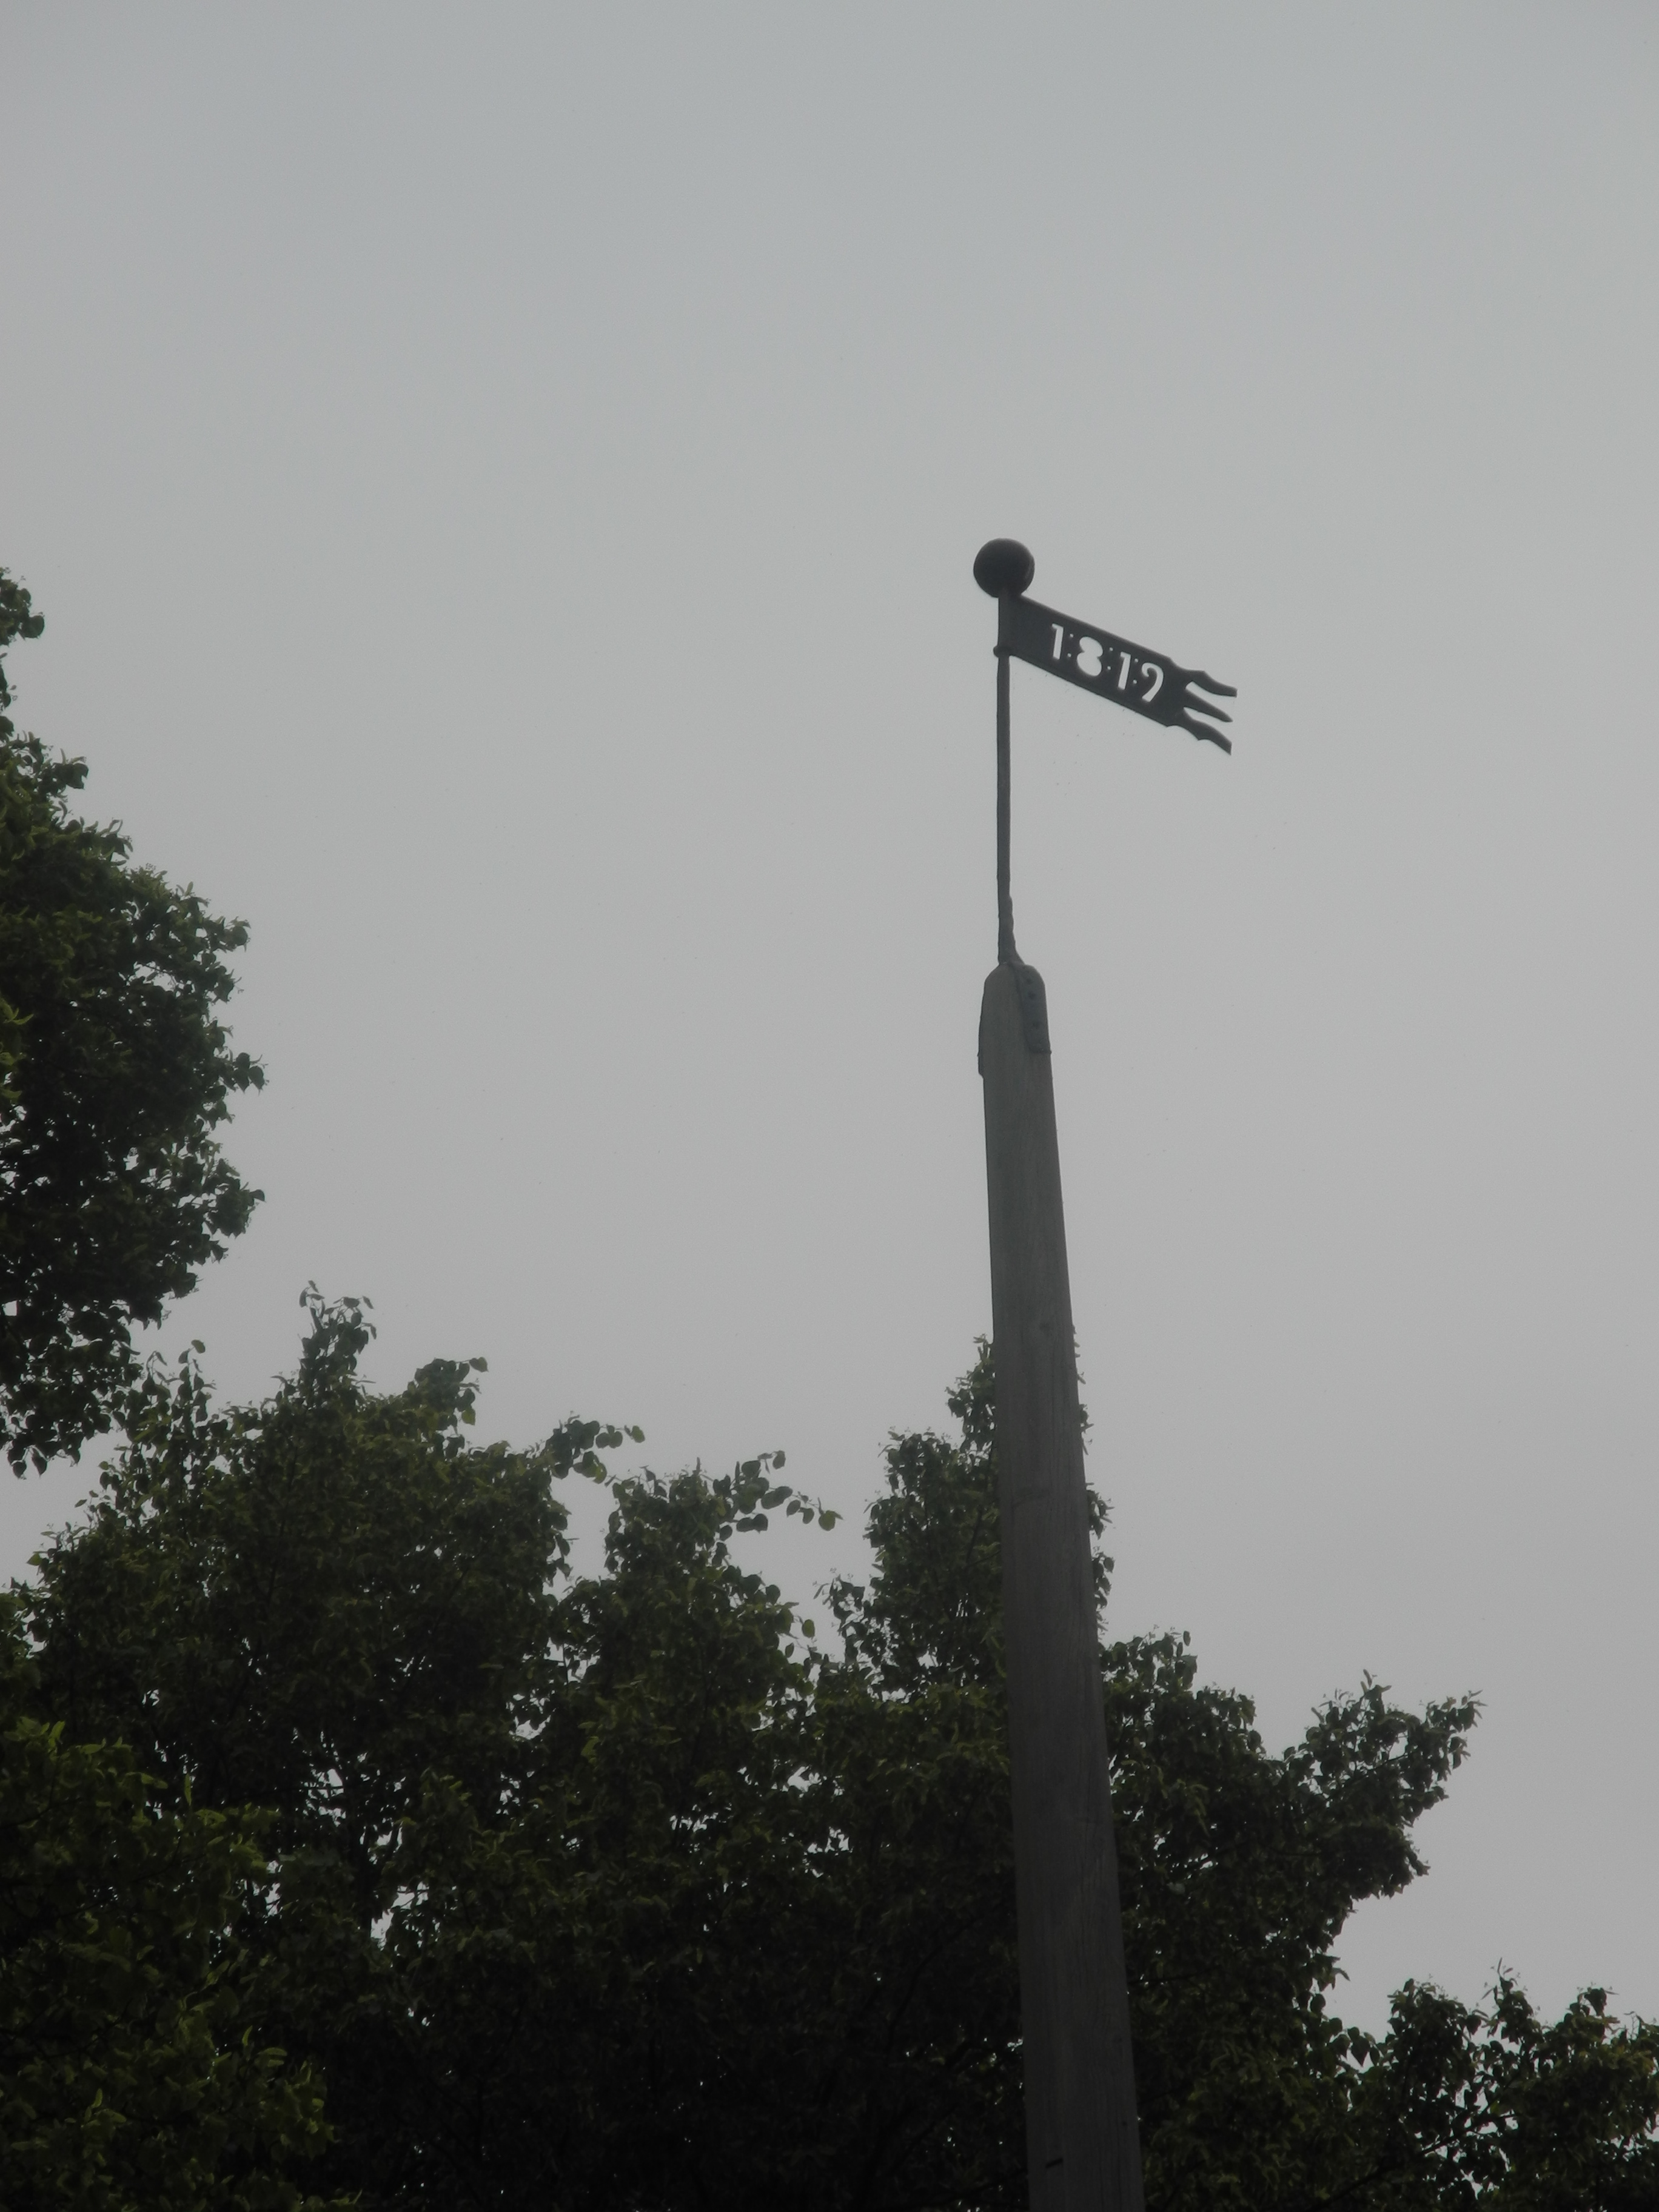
1060, 637
1123, 671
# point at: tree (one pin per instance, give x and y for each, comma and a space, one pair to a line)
1461, 2105
629, 1889
131, 2075
322, 1606
115, 1071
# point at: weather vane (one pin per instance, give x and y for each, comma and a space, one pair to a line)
1082, 2129
1131, 676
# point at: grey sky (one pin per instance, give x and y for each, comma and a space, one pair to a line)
502, 482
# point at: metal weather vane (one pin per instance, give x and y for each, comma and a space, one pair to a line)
1131, 676
1084, 654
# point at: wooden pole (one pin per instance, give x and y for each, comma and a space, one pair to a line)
1082, 2144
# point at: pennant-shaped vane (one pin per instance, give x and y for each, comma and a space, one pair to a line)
1147, 683
1129, 675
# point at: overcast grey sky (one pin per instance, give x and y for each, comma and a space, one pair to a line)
502, 482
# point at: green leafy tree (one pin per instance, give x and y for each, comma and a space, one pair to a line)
1462, 2105
115, 1071
332, 1606
131, 2071
629, 1889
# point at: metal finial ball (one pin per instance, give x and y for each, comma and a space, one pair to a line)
1002, 566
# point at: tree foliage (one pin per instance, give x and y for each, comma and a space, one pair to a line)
115, 1071
629, 1888
132, 2069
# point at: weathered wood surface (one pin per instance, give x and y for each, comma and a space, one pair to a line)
1082, 2137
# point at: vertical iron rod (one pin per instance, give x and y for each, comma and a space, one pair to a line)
1005, 898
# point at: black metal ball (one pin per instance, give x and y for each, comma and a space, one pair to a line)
1002, 566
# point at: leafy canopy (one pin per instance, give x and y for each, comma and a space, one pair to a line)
132, 2069
627, 1888
115, 1071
